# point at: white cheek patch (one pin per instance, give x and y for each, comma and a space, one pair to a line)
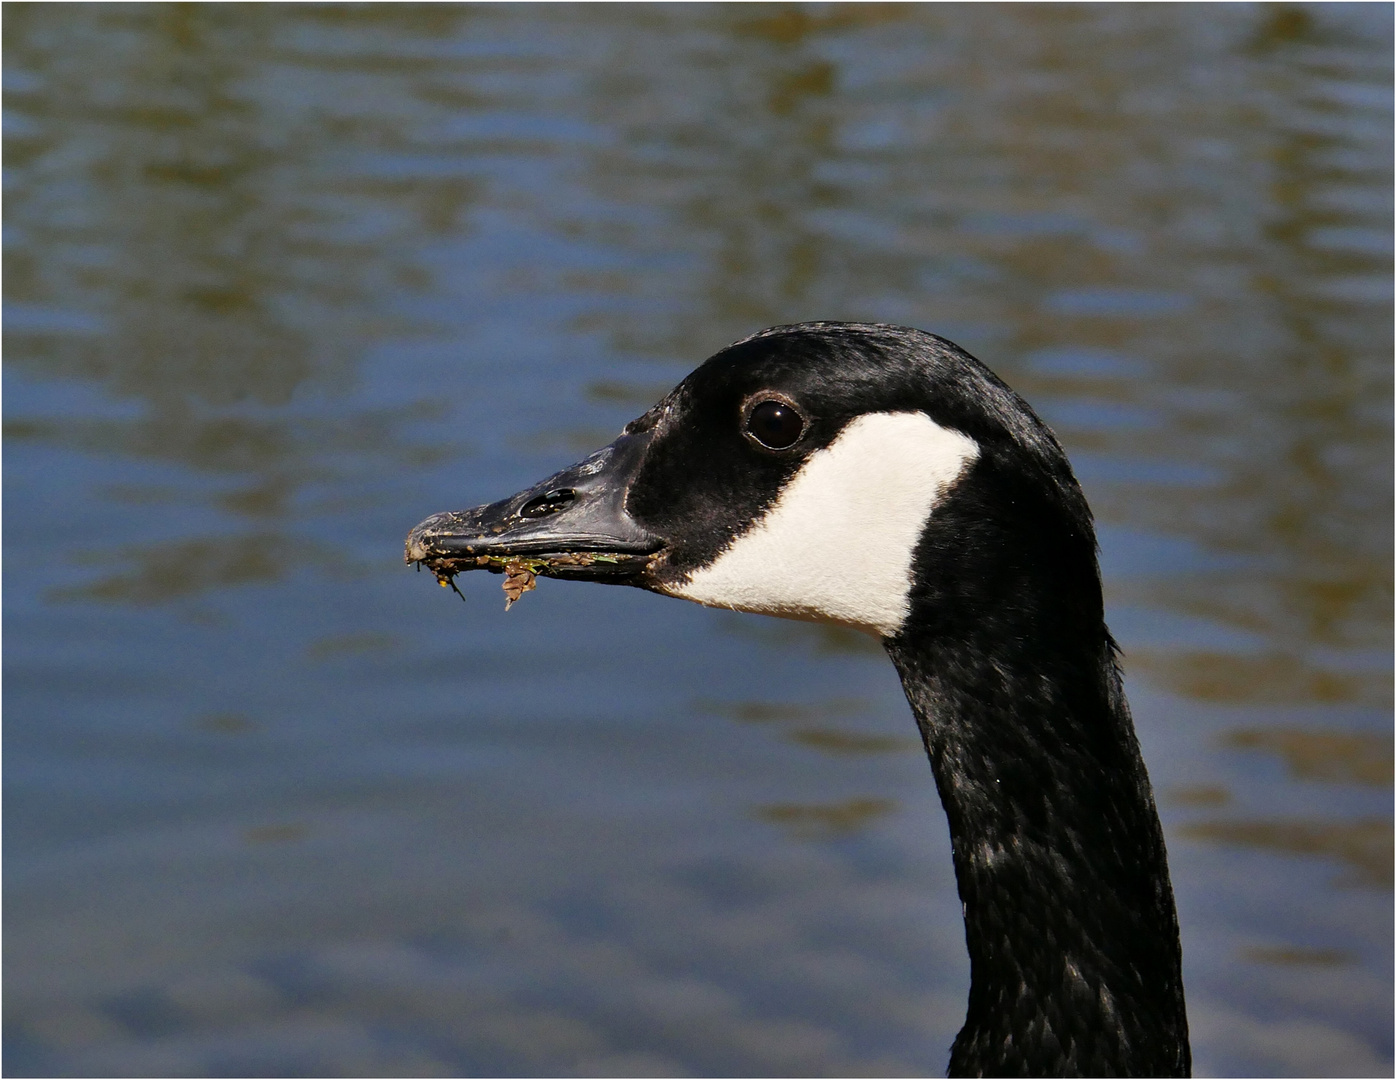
838, 543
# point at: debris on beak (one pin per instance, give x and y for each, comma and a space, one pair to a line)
521, 574
572, 525
518, 579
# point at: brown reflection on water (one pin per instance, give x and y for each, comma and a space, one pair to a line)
1361, 758
226, 723
757, 712
1365, 846
1276, 679
818, 638
186, 234
183, 568
825, 821
275, 451
1341, 757
808, 725
364, 643
1304, 489
1294, 956
175, 238
285, 833
833, 741
639, 397
1198, 795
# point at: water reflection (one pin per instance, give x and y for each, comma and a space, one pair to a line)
275, 834
826, 821
1289, 955
190, 285
1198, 795
809, 725
815, 638
222, 305
1278, 678
227, 724
850, 742
367, 643
1336, 757
282, 280
1364, 845
181, 568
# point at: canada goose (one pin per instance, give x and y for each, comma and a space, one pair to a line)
880, 477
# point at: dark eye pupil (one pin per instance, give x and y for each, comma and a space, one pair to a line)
775, 424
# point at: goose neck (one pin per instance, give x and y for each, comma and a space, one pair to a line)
1075, 962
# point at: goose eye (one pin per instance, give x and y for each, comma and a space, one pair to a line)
775, 425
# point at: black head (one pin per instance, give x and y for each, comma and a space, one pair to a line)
798, 472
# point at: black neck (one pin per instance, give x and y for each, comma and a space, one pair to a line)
1075, 963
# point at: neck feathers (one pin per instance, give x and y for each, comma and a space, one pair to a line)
1069, 918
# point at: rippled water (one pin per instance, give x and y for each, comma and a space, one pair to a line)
280, 281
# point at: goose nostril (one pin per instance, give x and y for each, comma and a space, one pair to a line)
548, 503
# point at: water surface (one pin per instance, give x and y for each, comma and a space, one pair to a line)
281, 281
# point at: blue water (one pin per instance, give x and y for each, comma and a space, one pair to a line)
282, 281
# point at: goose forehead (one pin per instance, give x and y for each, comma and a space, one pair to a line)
837, 544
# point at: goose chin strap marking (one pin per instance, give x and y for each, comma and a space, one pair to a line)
838, 543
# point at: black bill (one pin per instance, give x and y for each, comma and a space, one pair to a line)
573, 524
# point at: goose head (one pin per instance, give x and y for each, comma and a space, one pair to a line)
795, 473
